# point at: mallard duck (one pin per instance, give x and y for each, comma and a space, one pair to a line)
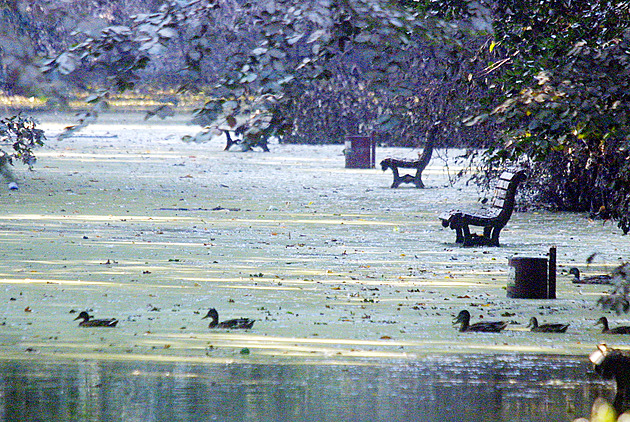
546, 328
89, 322
232, 324
596, 279
617, 330
463, 318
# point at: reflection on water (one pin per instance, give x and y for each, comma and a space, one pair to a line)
452, 388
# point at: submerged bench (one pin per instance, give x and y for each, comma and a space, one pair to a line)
246, 146
420, 164
492, 219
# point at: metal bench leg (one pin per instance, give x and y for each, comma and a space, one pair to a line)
397, 180
494, 240
459, 235
418, 180
466, 241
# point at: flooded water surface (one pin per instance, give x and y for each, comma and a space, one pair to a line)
458, 388
354, 287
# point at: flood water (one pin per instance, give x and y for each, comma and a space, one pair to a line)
442, 388
318, 254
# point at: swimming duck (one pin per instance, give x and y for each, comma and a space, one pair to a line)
232, 324
89, 322
463, 318
547, 328
596, 279
617, 330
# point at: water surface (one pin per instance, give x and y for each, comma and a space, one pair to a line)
458, 388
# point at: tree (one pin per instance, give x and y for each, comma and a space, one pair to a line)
22, 135
255, 60
618, 299
560, 70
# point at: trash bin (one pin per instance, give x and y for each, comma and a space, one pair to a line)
360, 152
527, 278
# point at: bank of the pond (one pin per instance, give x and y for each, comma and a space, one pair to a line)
127, 221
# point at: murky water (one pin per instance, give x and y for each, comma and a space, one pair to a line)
331, 262
442, 388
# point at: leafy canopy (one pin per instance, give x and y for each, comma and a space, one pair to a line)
254, 59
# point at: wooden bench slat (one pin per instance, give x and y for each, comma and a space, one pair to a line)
492, 219
500, 191
498, 203
503, 184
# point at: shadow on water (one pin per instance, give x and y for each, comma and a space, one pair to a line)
445, 388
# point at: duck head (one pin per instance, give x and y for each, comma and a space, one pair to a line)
83, 315
603, 321
575, 273
533, 322
214, 316
463, 316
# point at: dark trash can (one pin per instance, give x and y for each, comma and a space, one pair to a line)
527, 278
360, 152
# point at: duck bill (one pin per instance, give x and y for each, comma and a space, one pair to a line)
207, 316
76, 318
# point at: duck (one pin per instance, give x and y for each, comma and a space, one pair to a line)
89, 322
546, 328
624, 329
463, 318
596, 279
232, 324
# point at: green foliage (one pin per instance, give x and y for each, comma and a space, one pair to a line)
119, 52
618, 299
255, 60
561, 71
22, 136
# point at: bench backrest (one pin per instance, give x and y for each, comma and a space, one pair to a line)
505, 192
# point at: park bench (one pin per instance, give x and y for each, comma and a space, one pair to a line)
420, 164
246, 147
492, 219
